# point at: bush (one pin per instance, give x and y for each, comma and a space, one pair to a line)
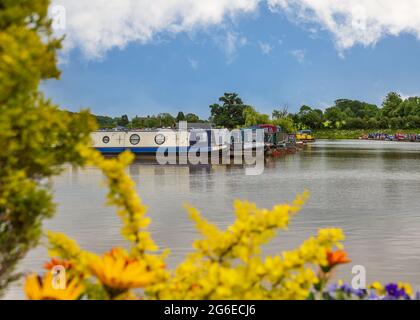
355, 123
36, 138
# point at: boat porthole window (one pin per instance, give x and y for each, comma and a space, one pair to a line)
134, 139
160, 139
105, 139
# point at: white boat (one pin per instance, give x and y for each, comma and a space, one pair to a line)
152, 141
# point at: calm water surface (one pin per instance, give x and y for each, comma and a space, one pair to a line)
370, 189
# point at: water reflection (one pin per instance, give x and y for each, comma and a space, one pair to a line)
370, 189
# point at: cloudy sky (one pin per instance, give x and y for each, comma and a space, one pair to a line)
149, 56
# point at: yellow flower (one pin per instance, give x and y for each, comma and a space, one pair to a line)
378, 287
43, 289
407, 288
119, 273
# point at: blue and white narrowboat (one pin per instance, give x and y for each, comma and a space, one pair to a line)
152, 141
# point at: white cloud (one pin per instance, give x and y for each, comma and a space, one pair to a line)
96, 26
406, 96
299, 55
193, 63
356, 21
230, 43
266, 48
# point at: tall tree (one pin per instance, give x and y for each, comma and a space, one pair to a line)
391, 104
180, 116
309, 118
231, 113
36, 138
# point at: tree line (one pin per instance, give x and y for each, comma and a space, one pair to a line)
394, 113
162, 120
232, 112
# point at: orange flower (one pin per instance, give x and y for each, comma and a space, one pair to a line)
37, 288
336, 258
119, 272
57, 262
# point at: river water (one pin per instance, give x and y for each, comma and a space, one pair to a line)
370, 189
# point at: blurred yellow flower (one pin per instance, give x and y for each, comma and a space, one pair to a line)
378, 287
407, 288
118, 272
37, 288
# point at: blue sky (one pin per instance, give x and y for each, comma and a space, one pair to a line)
267, 57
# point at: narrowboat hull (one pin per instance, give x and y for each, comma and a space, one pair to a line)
152, 142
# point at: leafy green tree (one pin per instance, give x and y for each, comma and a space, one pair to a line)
355, 123
370, 111
252, 117
287, 124
408, 107
309, 118
180, 116
335, 115
356, 108
136, 123
166, 120
278, 114
106, 122
123, 121
152, 122
230, 114
36, 138
191, 117
391, 104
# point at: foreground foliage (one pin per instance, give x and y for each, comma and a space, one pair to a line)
225, 264
35, 136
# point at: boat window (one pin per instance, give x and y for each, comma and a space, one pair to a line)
105, 139
160, 139
134, 139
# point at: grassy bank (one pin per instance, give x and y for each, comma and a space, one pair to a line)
355, 134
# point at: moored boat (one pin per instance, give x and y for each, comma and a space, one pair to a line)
305, 136
152, 141
401, 137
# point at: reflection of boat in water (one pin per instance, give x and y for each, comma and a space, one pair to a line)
305, 136
153, 141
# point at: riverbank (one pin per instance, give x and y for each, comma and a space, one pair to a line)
335, 134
